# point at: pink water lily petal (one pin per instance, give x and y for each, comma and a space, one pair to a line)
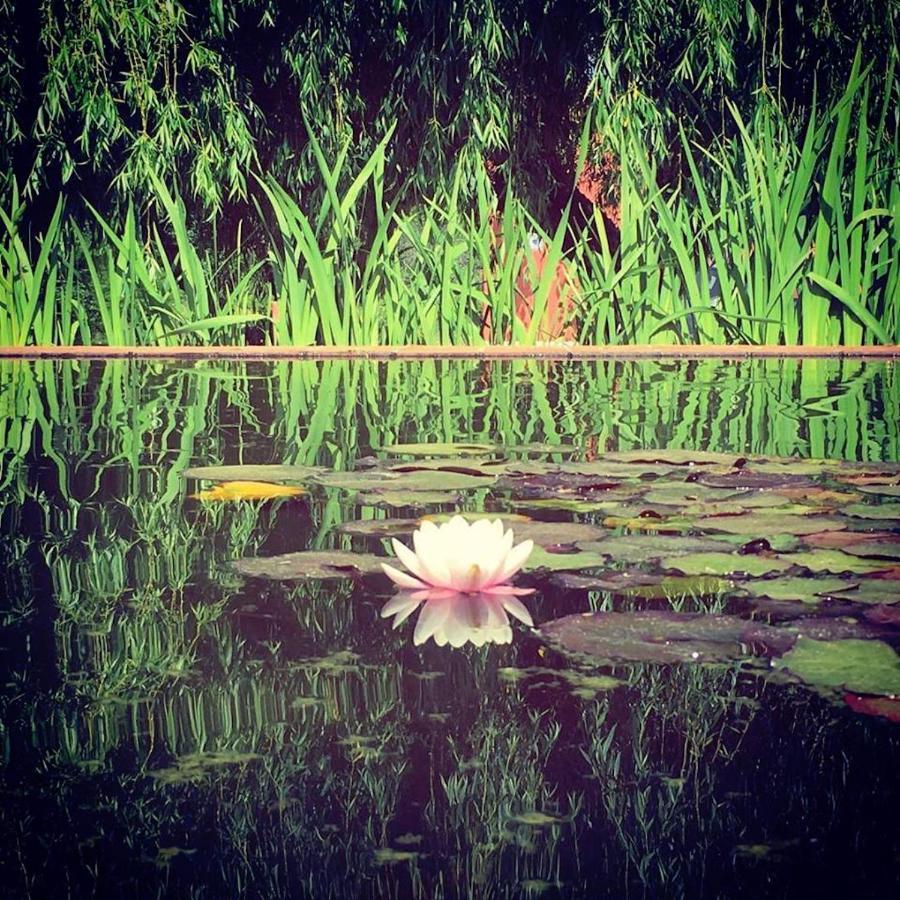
401, 578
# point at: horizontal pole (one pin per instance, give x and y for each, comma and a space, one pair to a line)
422, 351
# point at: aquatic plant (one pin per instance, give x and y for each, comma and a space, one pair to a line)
461, 557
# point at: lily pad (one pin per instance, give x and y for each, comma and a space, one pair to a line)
880, 549
834, 561
404, 499
839, 539
581, 559
442, 449
873, 510
311, 564
885, 707
872, 590
806, 590
273, 473
382, 528
675, 457
765, 523
641, 548
649, 636
420, 480
229, 491
725, 564
886, 490
866, 667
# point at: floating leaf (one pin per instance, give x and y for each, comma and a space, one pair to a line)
383, 528
873, 510
247, 490
880, 549
886, 707
807, 590
536, 819
581, 559
867, 667
838, 539
273, 473
886, 490
766, 523
673, 586
311, 564
442, 449
404, 499
872, 590
642, 548
651, 636
834, 561
419, 480
725, 564
387, 856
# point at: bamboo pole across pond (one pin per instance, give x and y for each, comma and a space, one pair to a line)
421, 351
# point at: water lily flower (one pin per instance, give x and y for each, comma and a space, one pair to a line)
450, 617
461, 557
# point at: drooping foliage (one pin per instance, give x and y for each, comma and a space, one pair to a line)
95, 93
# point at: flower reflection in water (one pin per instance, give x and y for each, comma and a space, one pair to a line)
456, 618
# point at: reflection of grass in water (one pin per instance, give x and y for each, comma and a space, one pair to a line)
657, 767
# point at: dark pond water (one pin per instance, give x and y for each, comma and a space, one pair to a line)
173, 726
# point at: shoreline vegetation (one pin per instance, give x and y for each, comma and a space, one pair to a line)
737, 193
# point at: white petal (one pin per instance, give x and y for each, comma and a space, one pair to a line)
431, 620
515, 607
409, 559
515, 560
401, 578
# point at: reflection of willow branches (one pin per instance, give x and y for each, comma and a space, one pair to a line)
291, 774
657, 767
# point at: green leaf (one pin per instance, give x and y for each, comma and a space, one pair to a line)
869, 667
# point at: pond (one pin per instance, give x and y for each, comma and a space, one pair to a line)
203, 697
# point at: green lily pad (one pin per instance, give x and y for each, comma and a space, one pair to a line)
442, 449
681, 493
780, 543
675, 457
641, 548
872, 590
806, 590
421, 480
568, 504
541, 559
766, 523
673, 586
867, 667
725, 564
873, 510
403, 499
835, 561
274, 474
311, 564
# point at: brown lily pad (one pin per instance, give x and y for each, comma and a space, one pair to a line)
651, 636
311, 564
